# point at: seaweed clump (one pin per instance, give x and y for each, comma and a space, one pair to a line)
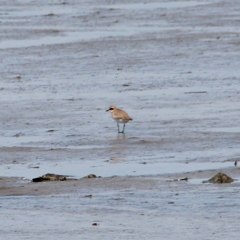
219, 178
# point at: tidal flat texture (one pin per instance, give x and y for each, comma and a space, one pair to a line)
173, 66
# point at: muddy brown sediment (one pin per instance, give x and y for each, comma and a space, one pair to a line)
220, 178
50, 177
18, 186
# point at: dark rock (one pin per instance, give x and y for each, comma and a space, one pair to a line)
90, 176
219, 178
88, 196
50, 177
184, 179
50, 15
51, 130
179, 179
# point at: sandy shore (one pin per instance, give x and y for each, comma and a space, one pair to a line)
172, 65
13, 186
117, 207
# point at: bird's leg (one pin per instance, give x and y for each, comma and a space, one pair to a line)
118, 127
123, 128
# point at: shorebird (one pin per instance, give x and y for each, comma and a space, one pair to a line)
119, 116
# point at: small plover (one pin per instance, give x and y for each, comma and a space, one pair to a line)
119, 116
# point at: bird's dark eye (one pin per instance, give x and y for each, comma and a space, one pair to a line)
110, 108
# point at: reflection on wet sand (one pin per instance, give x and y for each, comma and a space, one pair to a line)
117, 159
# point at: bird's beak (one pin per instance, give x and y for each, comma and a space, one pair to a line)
107, 110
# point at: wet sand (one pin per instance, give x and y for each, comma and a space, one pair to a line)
117, 207
172, 65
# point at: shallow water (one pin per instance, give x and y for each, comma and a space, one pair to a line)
113, 167
172, 65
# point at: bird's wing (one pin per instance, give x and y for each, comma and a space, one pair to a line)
120, 114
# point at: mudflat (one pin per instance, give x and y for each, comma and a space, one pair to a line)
173, 66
